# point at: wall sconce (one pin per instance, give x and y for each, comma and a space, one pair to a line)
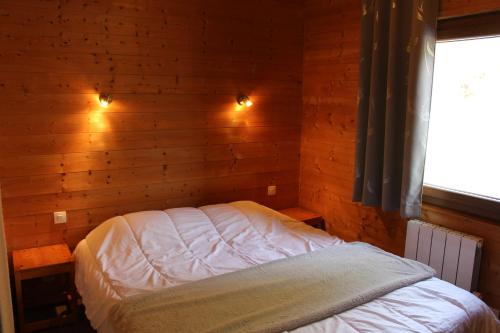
243, 100
105, 100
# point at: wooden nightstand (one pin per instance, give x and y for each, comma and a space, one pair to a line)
313, 219
44, 287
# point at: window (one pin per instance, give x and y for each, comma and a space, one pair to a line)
462, 168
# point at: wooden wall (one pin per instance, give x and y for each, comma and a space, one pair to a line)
172, 135
331, 55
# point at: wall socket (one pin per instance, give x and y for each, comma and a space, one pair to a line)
60, 217
271, 190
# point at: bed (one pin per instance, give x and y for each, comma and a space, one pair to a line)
144, 252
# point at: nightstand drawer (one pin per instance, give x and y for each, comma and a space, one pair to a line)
45, 271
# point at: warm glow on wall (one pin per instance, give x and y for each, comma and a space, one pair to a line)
98, 122
97, 118
239, 108
105, 100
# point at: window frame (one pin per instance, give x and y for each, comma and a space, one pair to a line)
481, 25
459, 28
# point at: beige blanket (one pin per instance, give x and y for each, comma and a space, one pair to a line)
274, 297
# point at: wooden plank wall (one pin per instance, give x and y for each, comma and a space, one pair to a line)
331, 54
172, 135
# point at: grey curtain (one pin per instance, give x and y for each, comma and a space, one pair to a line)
396, 69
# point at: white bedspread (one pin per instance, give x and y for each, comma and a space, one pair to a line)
144, 251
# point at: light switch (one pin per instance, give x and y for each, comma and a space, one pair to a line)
271, 190
60, 217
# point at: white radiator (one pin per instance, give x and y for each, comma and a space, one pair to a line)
455, 256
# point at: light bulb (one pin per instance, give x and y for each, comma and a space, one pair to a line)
244, 101
105, 100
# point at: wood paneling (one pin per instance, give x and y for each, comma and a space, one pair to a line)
331, 54
452, 8
172, 135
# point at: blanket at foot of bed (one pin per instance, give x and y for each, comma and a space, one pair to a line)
273, 297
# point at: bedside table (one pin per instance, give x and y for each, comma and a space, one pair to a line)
44, 287
313, 219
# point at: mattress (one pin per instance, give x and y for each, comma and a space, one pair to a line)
147, 251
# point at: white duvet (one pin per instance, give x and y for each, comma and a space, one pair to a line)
144, 251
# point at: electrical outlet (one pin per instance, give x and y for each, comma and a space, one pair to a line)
271, 190
60, 217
